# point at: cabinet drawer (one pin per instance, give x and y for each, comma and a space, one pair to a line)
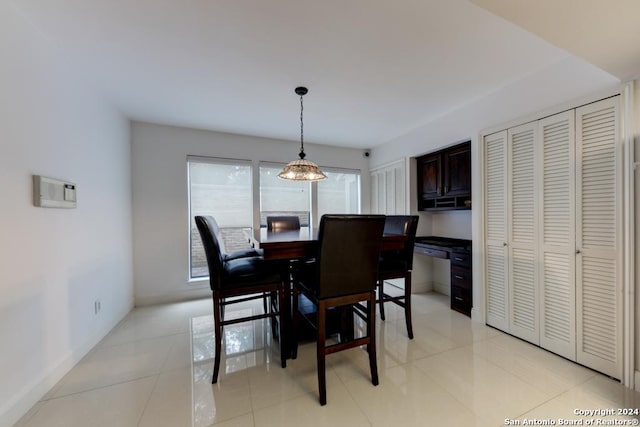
461, 277
460, 295
431, 252
461, 300
461, 258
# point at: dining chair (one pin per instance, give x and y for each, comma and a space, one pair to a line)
242, 253
342, 277
283, 222
238, 280
280, 223
398, 264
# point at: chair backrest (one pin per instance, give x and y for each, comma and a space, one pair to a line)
208, 228
279, 223
349, 247
407, 226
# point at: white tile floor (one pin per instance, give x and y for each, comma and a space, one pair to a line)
154, 369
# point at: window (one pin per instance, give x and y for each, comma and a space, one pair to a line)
223, 189
280, 197
339, 193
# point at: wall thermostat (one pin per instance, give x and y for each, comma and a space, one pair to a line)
53, 193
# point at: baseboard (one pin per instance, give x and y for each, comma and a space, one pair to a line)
476, 315
442, 288
194, 292
421, 288
32, 393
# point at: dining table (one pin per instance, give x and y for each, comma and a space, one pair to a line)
289, 245
303, 243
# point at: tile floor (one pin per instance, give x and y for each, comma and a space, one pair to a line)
154, 369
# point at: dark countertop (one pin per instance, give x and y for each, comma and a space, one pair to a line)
447, 243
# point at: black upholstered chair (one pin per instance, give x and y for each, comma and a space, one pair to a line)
243, 253
342, 276
283, 222
245, 278
398, 264
279, 223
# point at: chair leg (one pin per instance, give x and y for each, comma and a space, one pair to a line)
217, 320
381, 298
264, 301
371, 333
273, 307
295, 326
282, 309
407, 304
320, 351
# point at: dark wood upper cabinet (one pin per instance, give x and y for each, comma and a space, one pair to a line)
457, 171
431, 177
444, 179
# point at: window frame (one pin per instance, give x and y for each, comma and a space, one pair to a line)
254, 169
190, 223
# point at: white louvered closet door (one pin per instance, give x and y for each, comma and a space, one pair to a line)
557, 234
496, 268
388, 189
599, 220
522, 220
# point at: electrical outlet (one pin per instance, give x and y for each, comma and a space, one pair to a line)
96, 307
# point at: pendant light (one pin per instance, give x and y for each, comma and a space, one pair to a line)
301, 169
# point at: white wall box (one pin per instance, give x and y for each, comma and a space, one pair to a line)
552, 233
53, 193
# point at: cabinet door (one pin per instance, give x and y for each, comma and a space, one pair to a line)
496, 267
557, 234
522, 220
431, 180
387, 190
457, 171
599, 243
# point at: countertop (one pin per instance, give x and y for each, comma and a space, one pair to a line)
443, 243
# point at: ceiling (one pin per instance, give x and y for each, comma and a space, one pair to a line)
603, 32
375, 69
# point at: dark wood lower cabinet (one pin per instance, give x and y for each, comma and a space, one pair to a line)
458, 251
461, 282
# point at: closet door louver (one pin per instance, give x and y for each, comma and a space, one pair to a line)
495, 149
598, 285
522, 220
557, 234
387, 190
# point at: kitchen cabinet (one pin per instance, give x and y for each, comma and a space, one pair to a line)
458, 251
461, 282
444, 179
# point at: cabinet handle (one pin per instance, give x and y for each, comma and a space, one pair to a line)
458, 277
458, 259
458, 299
577, 251
504, 244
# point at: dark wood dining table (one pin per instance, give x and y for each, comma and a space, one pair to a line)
302, 243
289, 245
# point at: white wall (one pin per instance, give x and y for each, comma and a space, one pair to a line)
636, 132
568, 80
160, 204
54, 263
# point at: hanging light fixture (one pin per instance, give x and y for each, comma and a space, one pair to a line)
301, 169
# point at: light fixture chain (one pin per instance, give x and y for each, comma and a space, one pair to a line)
301, 169
301, 127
